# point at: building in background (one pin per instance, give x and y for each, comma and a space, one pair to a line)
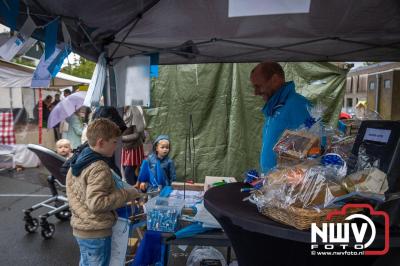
378, 85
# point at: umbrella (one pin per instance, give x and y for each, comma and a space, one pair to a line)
65, 108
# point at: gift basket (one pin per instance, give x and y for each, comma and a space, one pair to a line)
311, 178
301, 195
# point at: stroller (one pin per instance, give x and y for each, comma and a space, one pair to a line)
57, 204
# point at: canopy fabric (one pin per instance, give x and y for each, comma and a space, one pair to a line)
227, 118
14, 78
19, 76
200, 31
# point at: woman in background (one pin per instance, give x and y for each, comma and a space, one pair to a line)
75, 127
132, 143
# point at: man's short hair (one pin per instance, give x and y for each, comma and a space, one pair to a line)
268, 69
101, 128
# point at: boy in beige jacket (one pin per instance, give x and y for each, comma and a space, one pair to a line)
93, 196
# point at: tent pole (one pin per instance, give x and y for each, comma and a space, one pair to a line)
40, 116
126, 35
168, 50
88, 36
107, 95
11, 99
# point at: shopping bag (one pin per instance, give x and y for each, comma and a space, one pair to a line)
119, 242
120, 231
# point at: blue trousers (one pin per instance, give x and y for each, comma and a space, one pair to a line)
94, 251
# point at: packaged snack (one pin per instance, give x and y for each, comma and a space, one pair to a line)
296, 144
342, 146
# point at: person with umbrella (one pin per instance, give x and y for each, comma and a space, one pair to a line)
75, 127
69, 110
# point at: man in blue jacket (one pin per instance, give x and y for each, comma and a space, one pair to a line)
284, 108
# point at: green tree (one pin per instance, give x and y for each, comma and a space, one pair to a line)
23, 61
83, 69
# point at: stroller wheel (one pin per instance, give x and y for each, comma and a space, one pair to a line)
63, 215
48, 232
32, 225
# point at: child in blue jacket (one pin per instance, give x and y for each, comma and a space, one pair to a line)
158, 170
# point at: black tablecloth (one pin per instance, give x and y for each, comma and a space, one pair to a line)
258, 240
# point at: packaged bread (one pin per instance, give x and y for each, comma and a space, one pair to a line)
370, 180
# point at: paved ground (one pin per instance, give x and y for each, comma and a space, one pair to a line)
18, 247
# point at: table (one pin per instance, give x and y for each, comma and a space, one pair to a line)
258, 240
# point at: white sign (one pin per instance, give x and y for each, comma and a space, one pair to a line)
379, 135
132, 78
240, 8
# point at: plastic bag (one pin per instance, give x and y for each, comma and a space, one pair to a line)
307, 185
370, 180
201, 255
342, 146
336, 163
296, 144
364, 160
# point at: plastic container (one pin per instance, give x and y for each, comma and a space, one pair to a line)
163, 213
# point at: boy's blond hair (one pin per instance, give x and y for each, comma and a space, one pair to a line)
62, 142
101, 128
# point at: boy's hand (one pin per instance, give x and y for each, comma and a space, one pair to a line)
133, 194
143, 186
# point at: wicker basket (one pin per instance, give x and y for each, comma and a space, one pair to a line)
303, 218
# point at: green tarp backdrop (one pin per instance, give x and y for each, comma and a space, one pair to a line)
227, 117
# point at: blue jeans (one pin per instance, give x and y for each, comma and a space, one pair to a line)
94, 251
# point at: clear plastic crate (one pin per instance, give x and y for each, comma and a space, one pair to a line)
163, 213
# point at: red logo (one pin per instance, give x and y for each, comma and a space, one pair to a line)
372, 212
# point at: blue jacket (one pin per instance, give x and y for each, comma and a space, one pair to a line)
156, 171
286, 109
161, 172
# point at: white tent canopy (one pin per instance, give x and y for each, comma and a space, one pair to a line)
19, 76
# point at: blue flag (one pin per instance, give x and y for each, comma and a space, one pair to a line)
51, 38
56, 64
154, 62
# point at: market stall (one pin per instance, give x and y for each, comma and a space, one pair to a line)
173, 32
19, 101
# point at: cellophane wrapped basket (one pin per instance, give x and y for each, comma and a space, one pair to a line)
301, 195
